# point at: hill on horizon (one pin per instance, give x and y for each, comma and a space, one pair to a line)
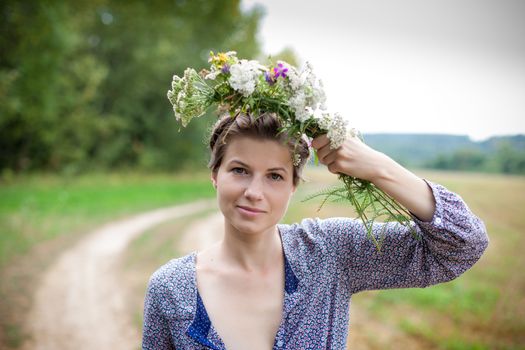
415, 150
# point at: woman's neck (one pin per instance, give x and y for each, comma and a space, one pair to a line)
256, 252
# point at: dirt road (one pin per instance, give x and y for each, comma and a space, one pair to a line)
80, 302
202, 233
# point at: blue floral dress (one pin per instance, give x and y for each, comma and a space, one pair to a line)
326, 262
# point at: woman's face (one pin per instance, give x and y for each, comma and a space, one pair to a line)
254, 184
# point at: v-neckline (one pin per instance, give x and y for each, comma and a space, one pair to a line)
202, 330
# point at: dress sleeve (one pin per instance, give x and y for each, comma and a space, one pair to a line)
155, 331
442, 250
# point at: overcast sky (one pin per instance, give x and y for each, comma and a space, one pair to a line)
432, 66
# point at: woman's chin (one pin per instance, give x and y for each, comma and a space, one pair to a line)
249, 228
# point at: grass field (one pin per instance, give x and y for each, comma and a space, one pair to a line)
40, 216
483, 309
37, 209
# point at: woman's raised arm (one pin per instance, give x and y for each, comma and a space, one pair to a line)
356, 159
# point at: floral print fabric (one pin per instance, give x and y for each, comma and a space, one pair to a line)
326, 261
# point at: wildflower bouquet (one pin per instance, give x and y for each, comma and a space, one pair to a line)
297, 97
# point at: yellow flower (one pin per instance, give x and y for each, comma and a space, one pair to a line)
220, 58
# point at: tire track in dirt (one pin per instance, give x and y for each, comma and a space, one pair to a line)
202, 233
79, 303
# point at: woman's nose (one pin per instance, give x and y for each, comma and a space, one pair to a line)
254, 190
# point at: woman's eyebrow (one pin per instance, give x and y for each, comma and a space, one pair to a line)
247, 166
239, 162
278, 168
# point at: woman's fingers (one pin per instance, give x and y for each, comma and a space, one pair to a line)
320, 141
352, 158
323, 152
332, 158
329, 157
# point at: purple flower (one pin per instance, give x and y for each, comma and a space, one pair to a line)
280, 71
225, 69
269, 79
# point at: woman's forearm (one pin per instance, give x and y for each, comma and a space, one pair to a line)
356, 159
405, 187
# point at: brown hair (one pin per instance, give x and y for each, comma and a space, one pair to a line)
265, 127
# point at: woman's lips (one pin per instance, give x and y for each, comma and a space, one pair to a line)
249, 211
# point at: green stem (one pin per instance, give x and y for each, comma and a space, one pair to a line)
363, 217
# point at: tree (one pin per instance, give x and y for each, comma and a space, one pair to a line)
462, 159
83, 85
509, 160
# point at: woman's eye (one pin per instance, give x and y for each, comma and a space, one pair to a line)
238, 170
276, 177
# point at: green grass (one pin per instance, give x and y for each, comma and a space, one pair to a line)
40, 208
467, 295
482, 309
42, 215
449, 343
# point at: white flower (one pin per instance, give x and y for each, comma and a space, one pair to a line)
316, 113
337, 131
313, 86
325, 122
353, 132
296, 159
321, 116
302, 115
298, 101
306, 91
244, 76
294, 79
190, 96
213, 74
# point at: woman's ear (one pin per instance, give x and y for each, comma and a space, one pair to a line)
214, 179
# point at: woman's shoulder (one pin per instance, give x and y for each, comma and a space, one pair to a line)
176, 273
318, 226
315, 233
172, 288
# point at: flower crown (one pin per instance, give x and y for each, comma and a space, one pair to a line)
240, 85
297, 98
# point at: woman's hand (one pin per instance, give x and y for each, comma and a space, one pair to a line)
352, 158
356, 159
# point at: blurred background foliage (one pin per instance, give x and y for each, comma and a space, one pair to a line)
83, 84
497, 154
83, 89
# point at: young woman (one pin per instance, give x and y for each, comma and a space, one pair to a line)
267, 285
